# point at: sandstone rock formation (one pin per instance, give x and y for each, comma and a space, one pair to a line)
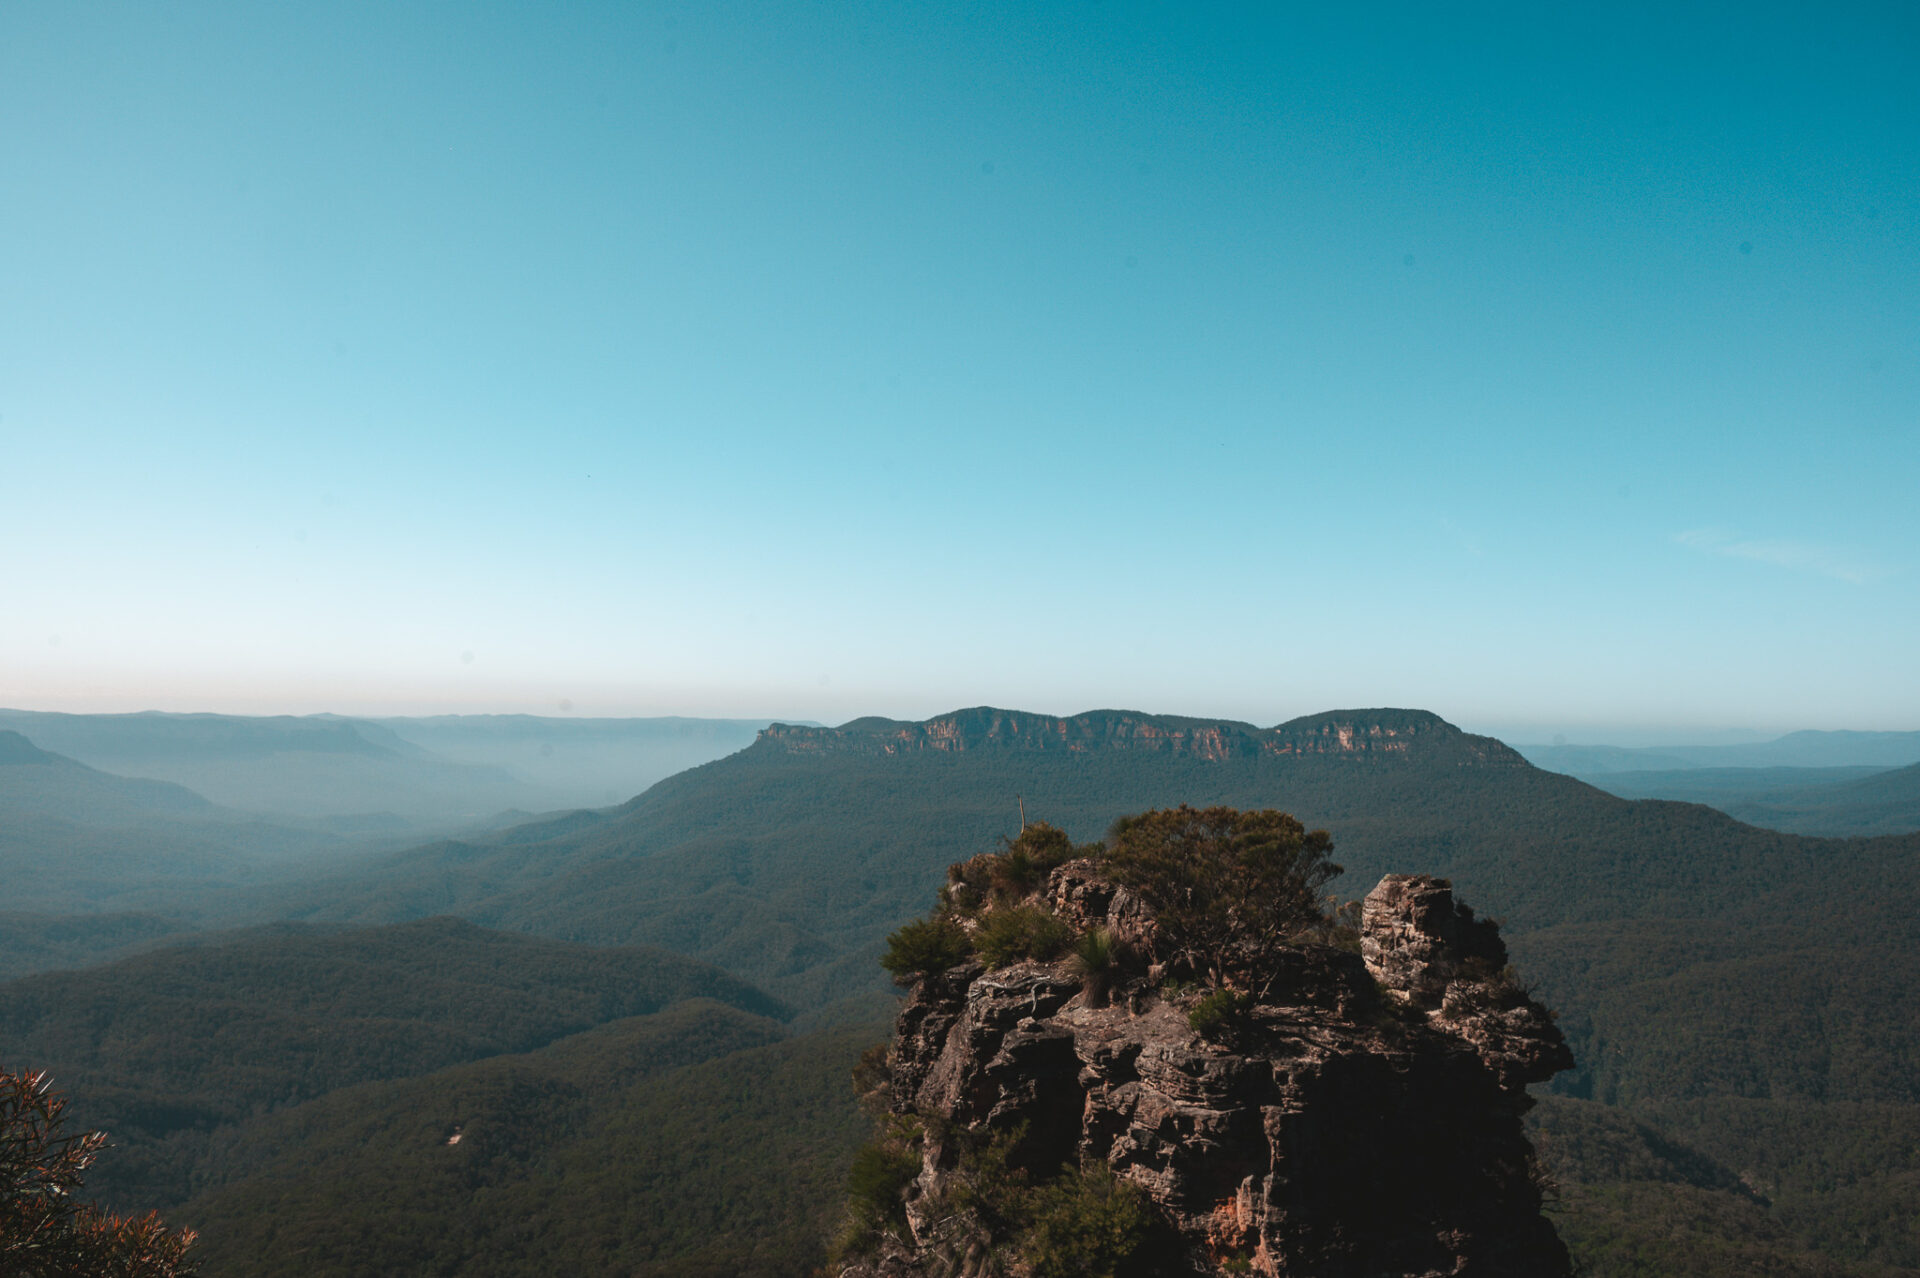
1356, 1116
1356, 734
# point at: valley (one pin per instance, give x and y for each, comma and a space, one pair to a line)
599, 997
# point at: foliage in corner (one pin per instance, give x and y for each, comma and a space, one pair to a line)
44, 1232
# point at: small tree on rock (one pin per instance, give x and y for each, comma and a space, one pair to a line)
44, 1232
1225, 886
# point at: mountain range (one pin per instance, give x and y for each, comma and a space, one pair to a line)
1729, 991
1808, 749
789, 860
1835, 802
387, 776
76, 839
1834, 784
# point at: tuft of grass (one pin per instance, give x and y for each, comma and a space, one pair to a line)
1096, 960
1095, 953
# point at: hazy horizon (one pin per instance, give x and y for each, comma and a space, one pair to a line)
1626, 735
1557, 375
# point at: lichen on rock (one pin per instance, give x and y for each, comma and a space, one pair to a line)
1342, 1110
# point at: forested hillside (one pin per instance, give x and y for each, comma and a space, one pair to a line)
697, 1141
45, 942
788, 861
1833, 802
1733, 1187
1725, 988
175, 1050
1692, 957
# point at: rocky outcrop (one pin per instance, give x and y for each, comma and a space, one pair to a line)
986, 728
1360, 1117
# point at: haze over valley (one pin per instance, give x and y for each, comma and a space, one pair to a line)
1688, 955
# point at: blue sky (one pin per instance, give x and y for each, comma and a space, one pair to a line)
1553, 370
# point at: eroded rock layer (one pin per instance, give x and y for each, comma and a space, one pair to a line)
1359, 1116
1351, 734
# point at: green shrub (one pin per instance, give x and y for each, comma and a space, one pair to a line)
1045, 846
881, 1172
1015, 872
925, 946
970, 880
1073, 1222
1017, 932
1343, 926
1219, 1013
1088, 1223
876, 1202
873, 1079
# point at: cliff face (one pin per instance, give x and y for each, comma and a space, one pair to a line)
1351, 733
1358, 1116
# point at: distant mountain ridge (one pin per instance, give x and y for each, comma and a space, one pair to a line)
15, 748
103, 738
76, 839
1881, 803
437, 773
1339, 732
787, 861
1827, 784
284, 765
1807, 749
585, 762
40, 781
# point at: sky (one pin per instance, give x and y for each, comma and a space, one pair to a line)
1554, 368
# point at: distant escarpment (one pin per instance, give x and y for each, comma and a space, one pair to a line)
1351, 733
1159, 1056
